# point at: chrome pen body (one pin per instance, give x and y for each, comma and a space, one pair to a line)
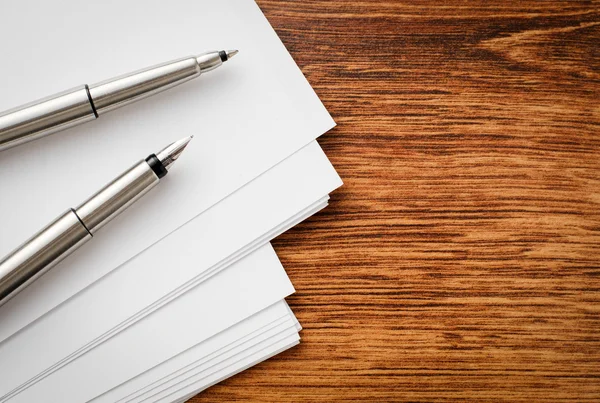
85, 103
78, 225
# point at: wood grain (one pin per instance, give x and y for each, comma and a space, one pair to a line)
461, 259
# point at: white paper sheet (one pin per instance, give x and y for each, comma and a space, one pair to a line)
190, 390
228, 367
247, 214
246, 116
206, 356
224, 364
227, 298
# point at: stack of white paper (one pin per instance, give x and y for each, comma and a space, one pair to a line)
182, 290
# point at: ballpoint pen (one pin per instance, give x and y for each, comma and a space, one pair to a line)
77, 226
82, 104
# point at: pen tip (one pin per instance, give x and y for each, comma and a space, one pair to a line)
231, 53
170, 153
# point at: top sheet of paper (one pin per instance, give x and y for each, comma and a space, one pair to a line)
246, 116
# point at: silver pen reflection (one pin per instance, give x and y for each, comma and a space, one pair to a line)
77, 226
85, 103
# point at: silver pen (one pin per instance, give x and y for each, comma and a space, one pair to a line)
77, 226
85, 103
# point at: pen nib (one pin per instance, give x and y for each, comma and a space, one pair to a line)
231, 53
170, 153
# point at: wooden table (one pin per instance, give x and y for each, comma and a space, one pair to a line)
461, 259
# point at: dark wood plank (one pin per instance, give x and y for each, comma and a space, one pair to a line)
461, 259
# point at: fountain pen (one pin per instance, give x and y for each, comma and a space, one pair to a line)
77, 226
82, 104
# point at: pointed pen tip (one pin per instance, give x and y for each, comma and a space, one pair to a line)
170, 153
231, 53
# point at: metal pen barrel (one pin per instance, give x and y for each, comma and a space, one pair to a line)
82, 104
45, 116
33, 258
72, 229
77, 226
